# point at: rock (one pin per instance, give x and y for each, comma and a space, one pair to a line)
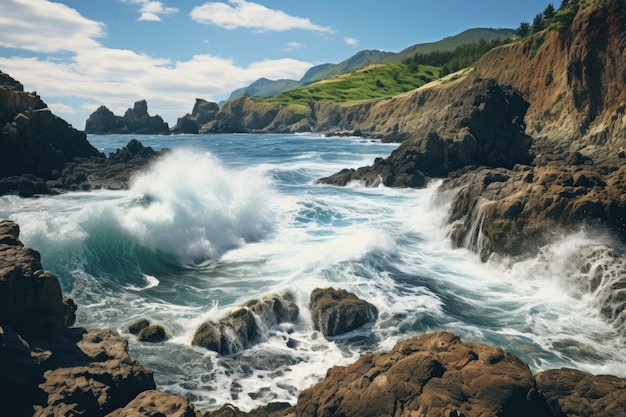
138, 325
434, 374
270, 410
203, 112
135, 121
574, 393
33, 140
240, 327
31, 300
335, 312
482, 127
155, 403
95, 381
154, 333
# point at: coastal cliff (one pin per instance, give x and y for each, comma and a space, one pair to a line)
135, 121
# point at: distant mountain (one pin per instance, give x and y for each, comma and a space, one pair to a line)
266, 88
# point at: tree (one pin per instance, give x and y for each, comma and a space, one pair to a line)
549, 12
564, 4
538, 23
523, 30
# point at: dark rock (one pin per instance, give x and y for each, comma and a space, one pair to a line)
154, 333
203, 112
135, 121
137, 326
429, 375
335, 312
483, 128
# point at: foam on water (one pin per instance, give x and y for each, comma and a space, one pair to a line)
240, 216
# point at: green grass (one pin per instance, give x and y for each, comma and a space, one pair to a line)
372, 82
536, 45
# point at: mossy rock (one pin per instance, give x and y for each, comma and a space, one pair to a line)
138, 325
154, 333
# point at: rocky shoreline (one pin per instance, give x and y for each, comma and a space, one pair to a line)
52, 369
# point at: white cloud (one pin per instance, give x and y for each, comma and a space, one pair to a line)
292, 46
151, 10
251, 15
351, 41
42, 26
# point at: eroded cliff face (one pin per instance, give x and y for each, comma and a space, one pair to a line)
575, 80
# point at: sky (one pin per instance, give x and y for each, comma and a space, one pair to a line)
81, 54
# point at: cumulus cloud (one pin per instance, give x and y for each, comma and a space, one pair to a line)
42, 26
351, 41
151, 10
91, 74
243, 14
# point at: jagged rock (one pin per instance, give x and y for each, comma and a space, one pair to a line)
570, 392
33, 140
31, 300
155, 403
154, 333
239, 328
483, 126
135, 121
335, 312
270, 410
434, 375
203, 112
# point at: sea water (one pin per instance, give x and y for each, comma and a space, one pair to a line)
225, 218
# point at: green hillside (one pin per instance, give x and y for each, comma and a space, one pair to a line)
265, 88
359, 60
372, 82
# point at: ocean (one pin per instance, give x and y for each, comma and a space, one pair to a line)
226, 218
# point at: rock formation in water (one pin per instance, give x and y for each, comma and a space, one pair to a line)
335, 312
203, 112
135, 121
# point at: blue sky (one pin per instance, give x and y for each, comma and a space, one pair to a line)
80, 54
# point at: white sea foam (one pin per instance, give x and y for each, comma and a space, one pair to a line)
190, 206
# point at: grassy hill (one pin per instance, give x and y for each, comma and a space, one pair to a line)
394, 79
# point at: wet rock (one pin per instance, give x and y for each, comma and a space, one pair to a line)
154, 333
434, 374
570, 392
335, 312
240, 327
137, 326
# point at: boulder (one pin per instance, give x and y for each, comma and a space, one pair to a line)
434, 374
335, 312
137, 326
243, 326
154, 333
570, 392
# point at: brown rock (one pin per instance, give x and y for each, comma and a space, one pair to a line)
154, 333
155, 403
335, 312
138, 325
429, 375
574, 393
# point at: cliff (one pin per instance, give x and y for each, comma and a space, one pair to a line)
135, 121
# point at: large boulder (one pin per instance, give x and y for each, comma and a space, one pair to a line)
154, 403
243, 326
335, 312
434, 374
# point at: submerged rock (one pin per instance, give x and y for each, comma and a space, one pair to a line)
137, 326
154, 333
335, 312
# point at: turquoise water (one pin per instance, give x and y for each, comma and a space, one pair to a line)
226, 218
